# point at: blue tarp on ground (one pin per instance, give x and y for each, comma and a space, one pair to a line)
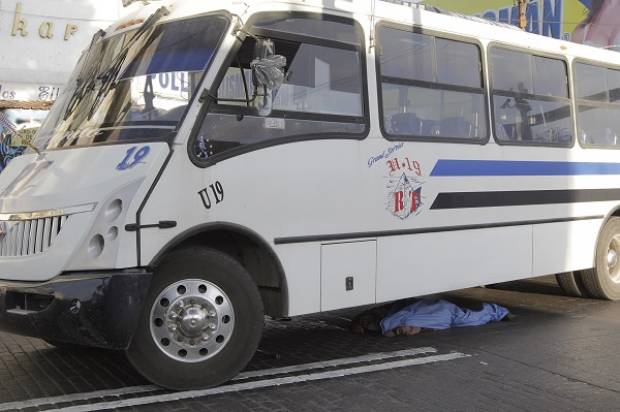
441, 314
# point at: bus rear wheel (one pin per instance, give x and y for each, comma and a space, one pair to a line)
201, 324
603, 281
572, 284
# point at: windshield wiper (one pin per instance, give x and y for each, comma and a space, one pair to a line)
109, 76
83, 86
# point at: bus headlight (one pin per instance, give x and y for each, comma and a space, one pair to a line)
95, 246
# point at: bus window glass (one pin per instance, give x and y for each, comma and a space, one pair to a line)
455, 54
407, 55
133, 86
221, 132
550, 77
434, 113
536, 114
530, 120
344, 31
510, 70
320, 80
598, 120
599, 126
590, 82
613, 84
322, 95
445, 101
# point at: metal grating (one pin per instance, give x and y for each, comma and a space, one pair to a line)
29, 237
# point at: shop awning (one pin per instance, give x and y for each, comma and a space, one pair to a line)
15, 104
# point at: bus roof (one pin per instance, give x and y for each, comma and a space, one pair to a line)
395, 11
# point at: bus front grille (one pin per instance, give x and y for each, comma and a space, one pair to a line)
29, 237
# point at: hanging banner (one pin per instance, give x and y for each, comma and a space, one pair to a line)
594, 22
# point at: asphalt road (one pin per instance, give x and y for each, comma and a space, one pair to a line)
558, 354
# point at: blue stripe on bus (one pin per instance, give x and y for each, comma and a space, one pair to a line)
522, 168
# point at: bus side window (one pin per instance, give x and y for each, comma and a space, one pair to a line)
598, 105
323, 94
531, 101
431, 87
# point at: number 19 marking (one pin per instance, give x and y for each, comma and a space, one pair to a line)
218, 193
133, 157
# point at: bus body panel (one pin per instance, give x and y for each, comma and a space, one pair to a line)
563, 247
305, 261
319, 199
89, 179
423, 264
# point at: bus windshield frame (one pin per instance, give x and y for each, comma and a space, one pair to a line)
136, 85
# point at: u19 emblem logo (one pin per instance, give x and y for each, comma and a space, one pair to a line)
404, 197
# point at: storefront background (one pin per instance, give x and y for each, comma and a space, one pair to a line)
40, 42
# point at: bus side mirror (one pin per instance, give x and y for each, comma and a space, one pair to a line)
267, 75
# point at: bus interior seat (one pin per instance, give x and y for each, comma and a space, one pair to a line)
431, 128
456, 127
406, 123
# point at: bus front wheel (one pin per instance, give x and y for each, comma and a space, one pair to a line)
603, 281
202, 321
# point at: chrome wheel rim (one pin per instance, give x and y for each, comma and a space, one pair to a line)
612, 258
192, 320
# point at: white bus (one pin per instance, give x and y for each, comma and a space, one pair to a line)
214, 162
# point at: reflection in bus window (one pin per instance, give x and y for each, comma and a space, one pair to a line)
319, 80
431, 87
322, 95
531, 101
134, 85
590, 83
598, 106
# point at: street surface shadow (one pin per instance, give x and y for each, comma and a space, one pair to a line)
546, 285
30, 368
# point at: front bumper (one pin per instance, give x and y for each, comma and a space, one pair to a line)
92, 308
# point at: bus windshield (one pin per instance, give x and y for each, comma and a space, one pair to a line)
134, 86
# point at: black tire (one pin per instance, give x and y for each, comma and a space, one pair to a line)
598, 280
228, 275
571, 284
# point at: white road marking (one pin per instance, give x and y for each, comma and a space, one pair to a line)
76, 397
238, 387
131, 390
335, 362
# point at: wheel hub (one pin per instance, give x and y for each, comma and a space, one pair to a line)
612, 258
192, 320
